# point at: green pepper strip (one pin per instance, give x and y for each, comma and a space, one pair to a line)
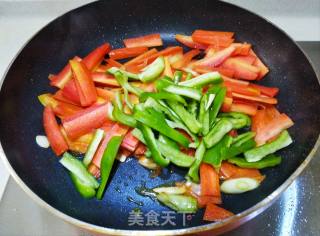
79, 170
138, 134
194, 169
242, 138
84, 190
179, 203
236, 150
220, 94
114, 70
118, 100
190, 121
201, 80
204, 115
168, 142
192, 108
237, 116
221, 128
159, 124
122, 117
269, 161
189, 76
152, 145
175, 156
107, 161
170, 87
177, 76
163, 95
153, 70
93, 146
214, 155
256, 154
122, 79
126, 98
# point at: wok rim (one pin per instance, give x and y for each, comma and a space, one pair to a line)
218, 227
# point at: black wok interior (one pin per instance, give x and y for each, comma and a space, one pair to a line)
83, 29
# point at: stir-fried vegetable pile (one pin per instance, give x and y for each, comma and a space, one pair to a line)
196, 110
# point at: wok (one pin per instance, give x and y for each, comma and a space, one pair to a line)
77, 32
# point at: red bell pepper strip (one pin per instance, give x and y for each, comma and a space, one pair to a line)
242, 70
102, 68
150, 40
229, 171
216, 59
140, 150
268, 123
242, 89
186, 59
106, 94
247, 59
53, 133
258, 63
80, 145
268, 91
123, 53
140, 59
242, 49
165, 52
167, 68
211, 33
235, 81
209, 181
116, 130
94, 58
70, 92
227, 103
249, 109
215, 213
218, 38
114, 63
130, 142
62, 78
94, 170
136, 68
104, 79
85, 121
59, 96
84, 83
205, 200
262, 99
187, 41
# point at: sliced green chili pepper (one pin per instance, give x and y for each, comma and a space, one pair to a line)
236, 150
204, 116
256, 154
214, 155
152, 145
168, 142
193, 172
79, 170
193, 108
114, 70
118, 100
201, 80
170, 87
126, 98
122, 117
177, 76
163, 95
84, 190
221, 128
107, 161
138, 134
189, 76
238, 119
190, 121
242, 138
269, 161
122, 79
217, 103
153, 70
177, 124
179, 203
174, 155
93, 146
159, 124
